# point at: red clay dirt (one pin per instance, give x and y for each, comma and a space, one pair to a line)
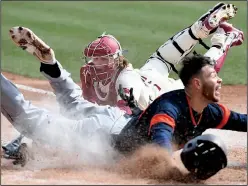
54, 170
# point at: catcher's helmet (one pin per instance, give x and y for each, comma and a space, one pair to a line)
204, 156
102, 57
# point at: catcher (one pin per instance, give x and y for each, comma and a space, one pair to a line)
106, 68
178, 116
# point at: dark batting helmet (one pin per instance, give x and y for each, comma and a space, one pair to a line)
204, 156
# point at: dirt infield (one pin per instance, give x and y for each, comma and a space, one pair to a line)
57, 170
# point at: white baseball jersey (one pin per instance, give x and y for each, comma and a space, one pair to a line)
152, 79
147, 83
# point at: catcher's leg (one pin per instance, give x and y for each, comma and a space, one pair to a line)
183, 42
225, 37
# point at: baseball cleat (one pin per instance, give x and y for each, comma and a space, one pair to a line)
27, 40
210, 21
231, 31
224, 13
210, 11
17, 151
227, 36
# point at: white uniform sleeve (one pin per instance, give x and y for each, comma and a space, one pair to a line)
72, 104
42, 125
132, 79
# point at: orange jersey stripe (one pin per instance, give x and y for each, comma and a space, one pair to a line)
226, 114
162, 118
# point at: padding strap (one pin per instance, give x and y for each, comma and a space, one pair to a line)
178, 47
191, 34
166, 62
204, 44
200, 40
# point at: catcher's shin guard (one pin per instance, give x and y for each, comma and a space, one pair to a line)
177, 47
184, 41
225, 37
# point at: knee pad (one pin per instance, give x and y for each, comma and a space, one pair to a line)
204, 156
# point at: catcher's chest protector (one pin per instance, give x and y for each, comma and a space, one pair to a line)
109, 98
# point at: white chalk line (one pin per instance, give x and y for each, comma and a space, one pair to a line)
36, 90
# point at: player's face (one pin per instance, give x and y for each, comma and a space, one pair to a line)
102, 68
98, 62
211, 84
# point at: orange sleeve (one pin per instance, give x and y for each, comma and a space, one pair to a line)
162, 118
226, 114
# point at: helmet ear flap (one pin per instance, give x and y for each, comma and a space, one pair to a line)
204, 156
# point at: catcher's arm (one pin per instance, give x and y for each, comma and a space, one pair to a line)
127, 80
128, 101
